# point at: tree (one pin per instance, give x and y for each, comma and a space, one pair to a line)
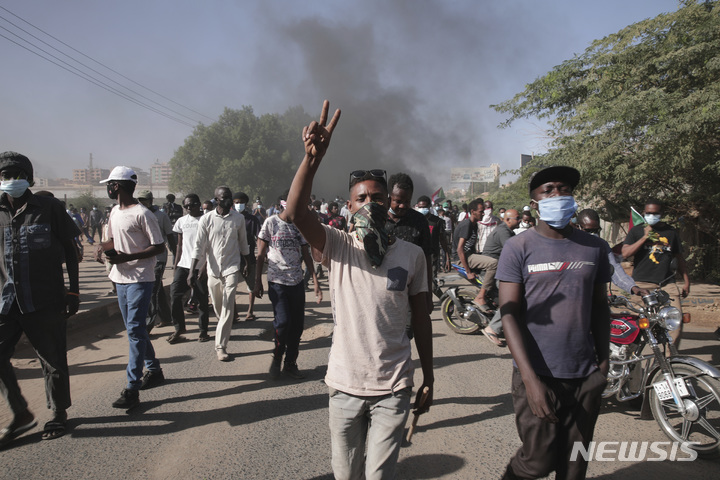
638, 113
256, 155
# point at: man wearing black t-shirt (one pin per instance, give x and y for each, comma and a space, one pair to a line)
654, 244
407, 224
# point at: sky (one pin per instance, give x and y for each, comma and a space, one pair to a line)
414, 79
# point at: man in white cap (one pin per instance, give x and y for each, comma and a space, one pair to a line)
136, 240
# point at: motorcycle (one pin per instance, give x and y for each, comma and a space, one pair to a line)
457, 307
682, 392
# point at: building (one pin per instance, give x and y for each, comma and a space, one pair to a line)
87, 176
160, 173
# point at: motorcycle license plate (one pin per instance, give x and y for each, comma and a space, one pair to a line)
662, 389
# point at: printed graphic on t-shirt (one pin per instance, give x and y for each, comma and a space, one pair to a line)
397, 279
557, 266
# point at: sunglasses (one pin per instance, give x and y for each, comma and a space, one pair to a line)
375, 174
190, 205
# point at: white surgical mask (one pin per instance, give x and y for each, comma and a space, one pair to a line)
424, 210
15, 188
652, 218
557, 211
239, 207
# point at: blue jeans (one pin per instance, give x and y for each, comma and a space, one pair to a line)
288, 303
377, 422
134, 300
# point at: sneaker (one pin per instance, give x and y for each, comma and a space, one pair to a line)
292, 370
222, 355
275, 368
152, 379
203, 337
128, 399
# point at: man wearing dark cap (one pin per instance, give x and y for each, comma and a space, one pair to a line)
556, 321
36, 234
159, 312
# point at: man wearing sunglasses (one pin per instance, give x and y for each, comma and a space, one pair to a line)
376, 283
186, 229
36, 234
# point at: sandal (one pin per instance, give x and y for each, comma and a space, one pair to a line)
493, 337
8, 434
251, 318
55, 428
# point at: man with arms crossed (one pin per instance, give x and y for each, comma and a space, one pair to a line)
374, 283
557, 325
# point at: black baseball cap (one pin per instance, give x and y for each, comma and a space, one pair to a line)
556, 173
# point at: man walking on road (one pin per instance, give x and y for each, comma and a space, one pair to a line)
221, 240
555, 314
186, 229
36, 235
159, 312
285, 249
376, 283
136, 240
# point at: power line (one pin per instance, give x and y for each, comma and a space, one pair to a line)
99, 73
87, 77
90, 68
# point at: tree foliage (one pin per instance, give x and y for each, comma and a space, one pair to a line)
638, 113
255, 155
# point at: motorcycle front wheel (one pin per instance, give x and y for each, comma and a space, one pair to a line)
701, 423
455, 319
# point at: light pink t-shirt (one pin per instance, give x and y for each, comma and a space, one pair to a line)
134, 229
370, 353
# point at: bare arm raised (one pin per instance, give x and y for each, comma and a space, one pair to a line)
316, 138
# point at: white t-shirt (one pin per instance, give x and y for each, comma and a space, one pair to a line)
133, 230
284, 257
370, 353
187, 226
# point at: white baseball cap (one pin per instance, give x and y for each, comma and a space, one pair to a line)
121, 173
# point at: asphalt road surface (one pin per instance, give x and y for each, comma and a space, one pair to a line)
213, 420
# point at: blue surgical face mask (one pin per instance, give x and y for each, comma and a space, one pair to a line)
239, 207
652, 218
557, 211
15, 188
424, 211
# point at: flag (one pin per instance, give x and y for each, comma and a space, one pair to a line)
635, 218
438, 195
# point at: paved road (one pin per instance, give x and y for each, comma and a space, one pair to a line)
230, 421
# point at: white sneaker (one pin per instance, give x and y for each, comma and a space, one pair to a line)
222, 355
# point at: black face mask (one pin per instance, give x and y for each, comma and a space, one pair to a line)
226, 203
112, 194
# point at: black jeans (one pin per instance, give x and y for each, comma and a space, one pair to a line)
288, 303
200, 295
46, 331
159, 311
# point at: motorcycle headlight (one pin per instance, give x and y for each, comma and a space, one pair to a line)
671, 316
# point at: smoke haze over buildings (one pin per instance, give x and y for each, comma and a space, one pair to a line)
414, 79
